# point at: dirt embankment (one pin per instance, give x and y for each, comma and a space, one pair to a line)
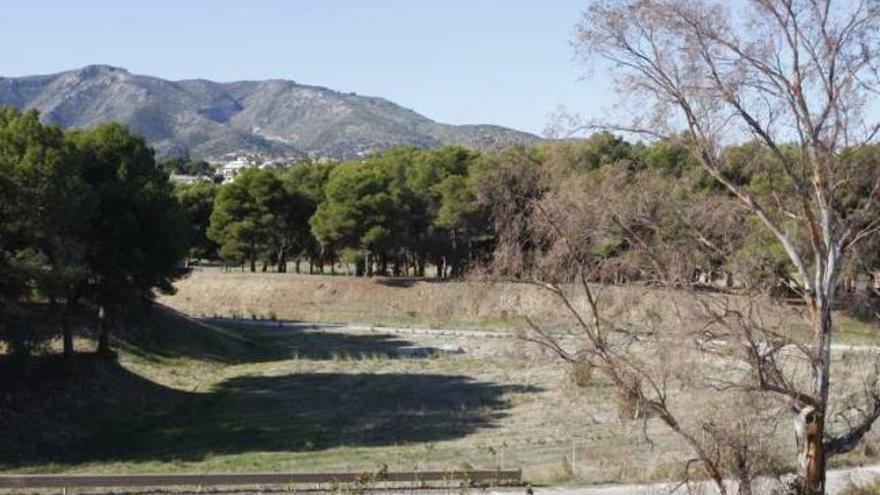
209, 292
214, 293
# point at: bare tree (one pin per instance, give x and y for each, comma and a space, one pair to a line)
653, 360
785, 72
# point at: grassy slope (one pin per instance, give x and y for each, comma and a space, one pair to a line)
63, 409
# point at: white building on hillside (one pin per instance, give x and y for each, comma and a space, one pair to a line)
230, 170
189, 179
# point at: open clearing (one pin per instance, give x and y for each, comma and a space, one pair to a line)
190, 396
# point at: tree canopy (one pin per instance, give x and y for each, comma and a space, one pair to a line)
86, 215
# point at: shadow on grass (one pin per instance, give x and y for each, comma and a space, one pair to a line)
99, 411
170, 334
276, 340
164, 332
406, 282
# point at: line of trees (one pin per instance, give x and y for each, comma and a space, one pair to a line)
86, 218
664, 218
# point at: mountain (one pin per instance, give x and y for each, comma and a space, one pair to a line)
273, 118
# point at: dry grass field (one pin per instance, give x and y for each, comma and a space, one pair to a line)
190, 396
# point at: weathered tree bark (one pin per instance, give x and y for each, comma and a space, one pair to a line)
809, 430
810, 421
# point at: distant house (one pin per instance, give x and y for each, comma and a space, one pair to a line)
189, 179
230, 170
237, 163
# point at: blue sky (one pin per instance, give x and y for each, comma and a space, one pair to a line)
480, 61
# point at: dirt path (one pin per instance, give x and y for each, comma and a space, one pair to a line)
305, 325
439, 332
838, 481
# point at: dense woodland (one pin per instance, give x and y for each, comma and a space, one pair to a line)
89, 217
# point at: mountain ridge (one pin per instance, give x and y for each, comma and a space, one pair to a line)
272, 117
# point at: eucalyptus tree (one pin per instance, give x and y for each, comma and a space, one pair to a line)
779, 72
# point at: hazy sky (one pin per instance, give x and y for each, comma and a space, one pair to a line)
506, 62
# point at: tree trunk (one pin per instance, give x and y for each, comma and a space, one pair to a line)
810, 421
61, 314
809, 430
440, 267
103, 332
296, 265
282, 261
66, 332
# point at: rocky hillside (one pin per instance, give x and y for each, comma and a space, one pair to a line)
207, 119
